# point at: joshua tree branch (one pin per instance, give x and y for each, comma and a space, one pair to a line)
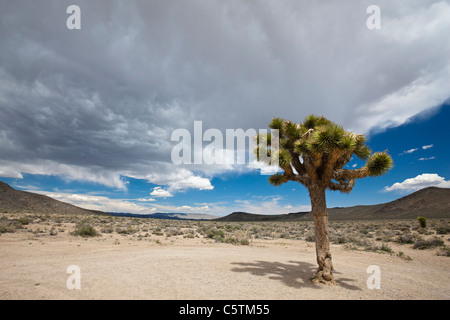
345, 186
346, 174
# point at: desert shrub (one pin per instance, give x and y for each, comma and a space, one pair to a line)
232, 227
403, 256
53, 231
24, 220
361, 241
405, 238
4, 228
158, 231
430, 243
128, 230
189, 235
231, 240
341, 239
340, 235
385, 235
404, 228
371, 246
364, 231
107, 229
442, 230
444, 251
242, 237
285, 235
254, 230
204, 229
385, 247
7, 225
310, 237
173, 232
237, 240
58, 220
350, 246
216, 234
85, 229
425, 231
422, 222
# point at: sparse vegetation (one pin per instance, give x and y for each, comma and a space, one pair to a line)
403, 256
443, 230
24, 220
428, 243
374, 236
107, 229
405, 239
127, 230
85, 229
8, 225
444, 251
385, 248
53, 231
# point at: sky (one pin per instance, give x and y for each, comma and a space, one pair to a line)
87, 115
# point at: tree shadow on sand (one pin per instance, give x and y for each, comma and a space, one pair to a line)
294, 274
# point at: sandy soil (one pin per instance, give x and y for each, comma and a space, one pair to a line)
111, 268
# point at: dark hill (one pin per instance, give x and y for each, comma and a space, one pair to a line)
244, 216
430, 202
12, 200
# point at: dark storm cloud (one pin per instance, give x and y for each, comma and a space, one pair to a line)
102, 101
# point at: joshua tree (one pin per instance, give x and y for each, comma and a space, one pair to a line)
314, 153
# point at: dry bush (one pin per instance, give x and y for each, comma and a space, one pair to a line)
444, 251
428, 243
85, 229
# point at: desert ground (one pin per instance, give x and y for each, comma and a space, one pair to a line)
132, 258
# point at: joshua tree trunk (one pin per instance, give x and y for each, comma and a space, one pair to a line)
323, 254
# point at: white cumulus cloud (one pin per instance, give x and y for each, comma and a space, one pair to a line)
161, 193
419, 182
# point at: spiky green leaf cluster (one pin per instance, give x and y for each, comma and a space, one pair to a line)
276, 123
316, 134
326, 138
312, 121
276, 179
361, 150
378, 164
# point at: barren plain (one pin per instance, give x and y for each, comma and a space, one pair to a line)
132, 258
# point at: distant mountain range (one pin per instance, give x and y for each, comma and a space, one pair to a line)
430, 202
164, 215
